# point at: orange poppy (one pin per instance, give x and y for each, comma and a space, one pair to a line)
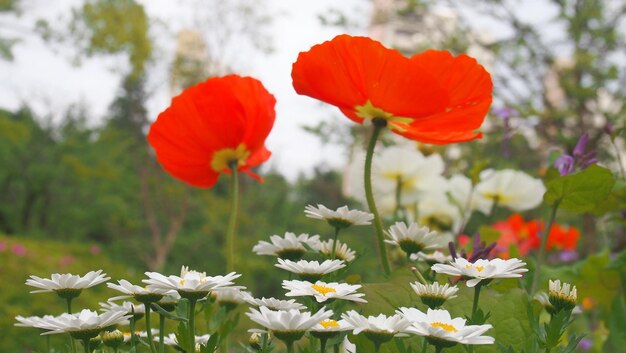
210, 125
432, 97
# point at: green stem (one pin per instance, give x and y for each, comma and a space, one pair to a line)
290, 347
334, 252
542, 248
161, 333
69, 311
323, 345
438, 349
232, 222
192, 329
149, 328
379, 124
475, 303
377, 345
48, 344
398, 198
133, 338
86, 344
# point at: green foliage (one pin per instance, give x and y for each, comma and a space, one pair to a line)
580, 192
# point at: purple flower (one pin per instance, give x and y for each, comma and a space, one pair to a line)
504, 113
565, 164
18, 249
480, 250
585, 344
579, 159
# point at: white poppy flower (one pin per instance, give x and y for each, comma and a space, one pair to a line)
275, 304
459, 188
341, 218
323, 291
67, 283
437, 213
482, 269
413, 239
438, 326
190, 284
310, 270
511, 188
287, 247
342, 252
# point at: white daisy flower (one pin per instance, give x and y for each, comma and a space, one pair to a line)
86, 324
436, 257
342, 252
562, 296
136, 310
341, 218
141, 294
169, 301
67, 285
34, 321
191, 284
287, 325
172, 340
434, 295
347, 346
142, 334
310, 270
113, 338
442, 330
288, 247
413, 239
511, 188
323, 291
482, 269
379, 328
275, 304
230, 297
330, 328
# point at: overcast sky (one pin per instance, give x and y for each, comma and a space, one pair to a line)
43, 74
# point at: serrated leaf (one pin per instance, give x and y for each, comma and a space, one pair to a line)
580, 192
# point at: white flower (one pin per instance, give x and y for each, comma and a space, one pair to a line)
67, 282
143, 334
190, 283
342, 252
437, 325
310, 270
332, 326
275, 304
231, 296
413, 239
562, 296
136, 310
459, 189
287, 247
287, 321
347, 346
142, 294
434, 295
341, 218
87, 323
35, 321
376, 325
432, 258
437, 213
172, 340
323, 291
482, 269
511, 188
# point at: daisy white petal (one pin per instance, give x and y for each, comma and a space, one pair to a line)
86, 324
287, 325
434, 295
562, 296
381, 327
482, 270
341, 218
342, 252
275, 304
190, 284
412, 239
436, 257
323, 291
440, 329
67, 285
288, 247
310, 270
141, 294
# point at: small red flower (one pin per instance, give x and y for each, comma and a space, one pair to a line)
210, 125
432, 97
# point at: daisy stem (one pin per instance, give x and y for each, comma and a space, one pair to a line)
438, 349
232, 222
161, 333
290, 346
542, 247
69, 305
192, 329
86, 345
379, 124
475, 304
377, 345
69, 311
323, 345
418, 275
48, 344
149, 328
334, 252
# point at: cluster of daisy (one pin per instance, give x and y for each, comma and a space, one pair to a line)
159, 292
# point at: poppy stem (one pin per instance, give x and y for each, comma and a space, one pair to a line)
232, 222
379, 125
542, 248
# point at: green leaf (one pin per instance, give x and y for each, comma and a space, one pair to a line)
580, 192
616, 323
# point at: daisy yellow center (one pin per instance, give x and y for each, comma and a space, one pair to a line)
446, 327
222, 158
368, 111
478, 268
323, 290
329, 324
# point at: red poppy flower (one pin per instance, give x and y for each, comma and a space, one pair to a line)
211, 125
432, 97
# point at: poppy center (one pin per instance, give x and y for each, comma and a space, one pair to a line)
323, 290
329, 324
444, 326
368, 111
223, 158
